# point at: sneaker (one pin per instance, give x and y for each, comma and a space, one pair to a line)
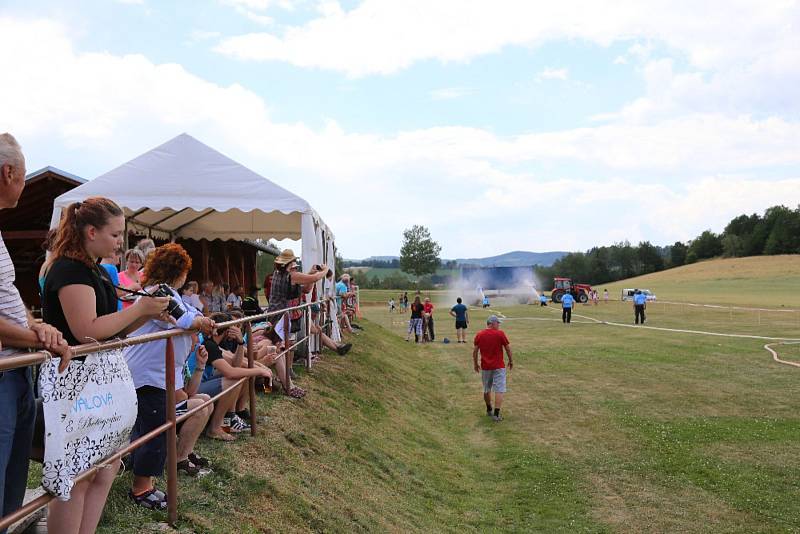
341, 350
238, 424
497, 418
244, 414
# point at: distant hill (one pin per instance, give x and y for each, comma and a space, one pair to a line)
518, 258
768, 281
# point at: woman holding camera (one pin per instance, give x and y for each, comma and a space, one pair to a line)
80, 301
165, 269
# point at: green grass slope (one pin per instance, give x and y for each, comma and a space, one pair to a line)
770, 281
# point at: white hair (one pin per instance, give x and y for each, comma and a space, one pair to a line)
10, 151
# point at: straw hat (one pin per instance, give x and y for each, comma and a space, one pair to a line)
286, 257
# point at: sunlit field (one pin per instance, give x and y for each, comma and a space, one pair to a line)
649, 430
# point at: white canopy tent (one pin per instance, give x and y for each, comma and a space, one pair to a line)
187, 189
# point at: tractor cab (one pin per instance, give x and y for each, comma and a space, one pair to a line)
564, 284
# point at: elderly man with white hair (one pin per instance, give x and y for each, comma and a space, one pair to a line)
18, 331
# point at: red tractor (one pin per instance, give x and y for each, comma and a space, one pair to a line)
561, 286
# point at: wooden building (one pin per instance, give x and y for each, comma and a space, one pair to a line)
24, 228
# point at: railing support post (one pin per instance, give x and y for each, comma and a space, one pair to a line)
251, 382
172, 439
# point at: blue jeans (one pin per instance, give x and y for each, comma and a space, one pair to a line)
17, 416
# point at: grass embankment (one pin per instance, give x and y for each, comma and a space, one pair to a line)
771, 281
388, 439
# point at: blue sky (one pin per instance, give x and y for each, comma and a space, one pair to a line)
500, 126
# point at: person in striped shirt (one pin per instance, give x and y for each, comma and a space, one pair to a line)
18, 332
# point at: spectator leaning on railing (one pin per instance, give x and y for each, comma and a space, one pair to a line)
168, 264
18, 331
287, 285
342, 289
79, 300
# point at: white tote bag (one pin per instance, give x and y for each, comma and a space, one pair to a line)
89, 412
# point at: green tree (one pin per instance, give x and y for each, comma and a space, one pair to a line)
706, 245
419, 254
649, 258
677, 254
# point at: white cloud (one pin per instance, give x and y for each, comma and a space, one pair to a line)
553, 74
402, 33
677, 175
450, 93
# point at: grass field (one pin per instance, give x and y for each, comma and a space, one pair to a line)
771, 281
607, 429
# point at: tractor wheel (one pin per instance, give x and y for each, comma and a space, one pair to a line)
556, 296
583, 298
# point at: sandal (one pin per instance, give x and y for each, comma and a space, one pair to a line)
152, 499
296, 393
188, 467
199, 460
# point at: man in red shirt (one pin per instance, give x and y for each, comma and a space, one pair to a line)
490, 343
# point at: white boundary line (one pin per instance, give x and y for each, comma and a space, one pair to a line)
768, 346
776, 340
723, 307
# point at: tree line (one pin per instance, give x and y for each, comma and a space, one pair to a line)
776, 232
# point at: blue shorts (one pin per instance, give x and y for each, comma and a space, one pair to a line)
212, 387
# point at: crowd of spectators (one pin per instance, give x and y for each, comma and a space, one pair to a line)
89, 295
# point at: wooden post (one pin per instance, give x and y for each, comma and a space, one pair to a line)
172, 439
251, 382
204, 260
227, 256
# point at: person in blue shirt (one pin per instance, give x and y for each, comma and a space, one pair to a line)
639, 305
567, 301
485, 301
459, 311
110, 264
542, 300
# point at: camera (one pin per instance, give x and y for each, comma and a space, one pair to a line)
174, 308
317, 268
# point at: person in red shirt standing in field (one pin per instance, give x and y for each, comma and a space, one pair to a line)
490, 343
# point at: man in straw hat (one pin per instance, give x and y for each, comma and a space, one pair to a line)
490, 343
287, 285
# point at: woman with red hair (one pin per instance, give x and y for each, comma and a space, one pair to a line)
167, 265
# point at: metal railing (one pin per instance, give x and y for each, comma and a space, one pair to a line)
19, 360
